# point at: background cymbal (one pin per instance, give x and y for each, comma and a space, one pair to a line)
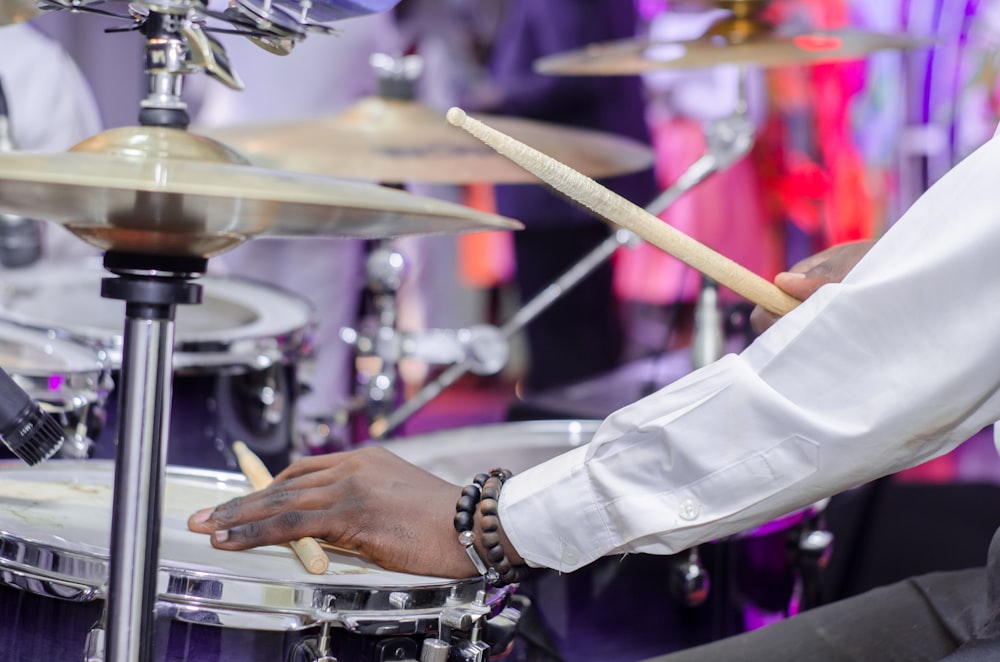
398, 141
165, 191
636, 56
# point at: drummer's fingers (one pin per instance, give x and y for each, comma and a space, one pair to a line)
266, 503
283, 527
348, 462
308, 465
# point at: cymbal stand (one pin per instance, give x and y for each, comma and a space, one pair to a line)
151, 286
485, 352
385, 270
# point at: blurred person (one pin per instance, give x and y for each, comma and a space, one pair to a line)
581, 335
51, 107
726, 211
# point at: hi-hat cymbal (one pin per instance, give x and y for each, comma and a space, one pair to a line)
169, 192
398, 141
16, 11
636, 56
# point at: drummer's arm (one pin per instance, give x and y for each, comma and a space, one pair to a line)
867, 377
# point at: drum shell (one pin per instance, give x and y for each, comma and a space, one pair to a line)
236, 357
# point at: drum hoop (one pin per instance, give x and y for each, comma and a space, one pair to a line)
83, 378
234, 599
280, 333
79, 359
434, 450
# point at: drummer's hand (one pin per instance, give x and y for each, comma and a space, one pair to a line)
369, 501
807, 276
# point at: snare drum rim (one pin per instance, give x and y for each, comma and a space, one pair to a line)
233, 599
81, 379
280, 333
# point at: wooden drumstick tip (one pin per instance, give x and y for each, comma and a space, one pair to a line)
456, 116
308, 550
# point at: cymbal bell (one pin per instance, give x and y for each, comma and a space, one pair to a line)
169, 192
749, 46
398, 141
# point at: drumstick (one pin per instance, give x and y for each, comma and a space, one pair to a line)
307, 549
616, 209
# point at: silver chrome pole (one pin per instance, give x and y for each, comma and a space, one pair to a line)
143, 427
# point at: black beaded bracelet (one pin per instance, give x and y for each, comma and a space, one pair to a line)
490, 522
485, 487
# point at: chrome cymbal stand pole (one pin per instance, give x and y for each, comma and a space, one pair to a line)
151, 287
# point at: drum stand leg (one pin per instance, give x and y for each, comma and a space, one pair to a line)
151, 286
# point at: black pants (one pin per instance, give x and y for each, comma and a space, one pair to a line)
953, 616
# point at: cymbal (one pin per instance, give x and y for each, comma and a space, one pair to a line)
398, 141
16, 11
170, 192
636, 56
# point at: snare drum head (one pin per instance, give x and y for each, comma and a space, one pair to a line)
458, 455
65, 299
55, 523
67, 505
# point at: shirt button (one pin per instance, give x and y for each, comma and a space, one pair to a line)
690, 509
570, 556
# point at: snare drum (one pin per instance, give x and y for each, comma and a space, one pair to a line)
632, 606
213, 605
235, 357
68, 380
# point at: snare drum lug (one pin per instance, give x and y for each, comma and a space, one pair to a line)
474, 651
434, 650
323, 653
93, 647
399, 599
457, 619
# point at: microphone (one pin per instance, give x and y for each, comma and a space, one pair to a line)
30, 433
20, 237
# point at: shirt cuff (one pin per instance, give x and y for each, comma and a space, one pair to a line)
530, 501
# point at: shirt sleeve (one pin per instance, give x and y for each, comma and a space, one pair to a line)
892, 367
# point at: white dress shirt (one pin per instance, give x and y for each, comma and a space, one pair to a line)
896, 365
